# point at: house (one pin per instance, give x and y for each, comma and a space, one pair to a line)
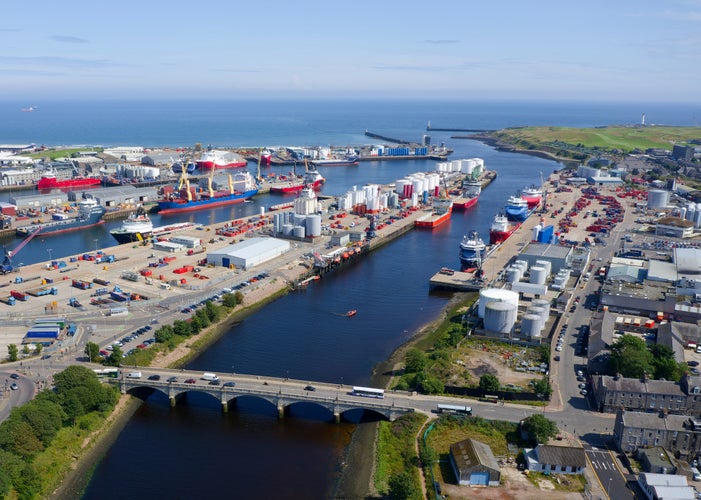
678, 434
659, 486
474, 464
656, 460
555, 459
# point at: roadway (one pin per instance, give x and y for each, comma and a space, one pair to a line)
9, 398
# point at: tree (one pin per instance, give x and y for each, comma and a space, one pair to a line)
115, 357
631, 358
229, 300
489, 383
403, 486
12, 352
414, 361
543, 387
182, 328
92, 350
539, 428
38, 348
25, 349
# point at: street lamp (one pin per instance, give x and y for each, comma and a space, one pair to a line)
49, 250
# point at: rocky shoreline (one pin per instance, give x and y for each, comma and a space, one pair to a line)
506, 147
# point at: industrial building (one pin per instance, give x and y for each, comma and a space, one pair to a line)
559, 256
249, 253
555, 459
474, 464
675, 227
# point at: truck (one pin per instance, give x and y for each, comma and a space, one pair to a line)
73, 302
101, 281
209, 376
83, 285
39, 292
19, 295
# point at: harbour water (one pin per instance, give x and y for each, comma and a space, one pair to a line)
196, 451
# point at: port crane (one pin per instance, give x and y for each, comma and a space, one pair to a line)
7, 266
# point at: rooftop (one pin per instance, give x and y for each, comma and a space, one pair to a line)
546, 250
561, 455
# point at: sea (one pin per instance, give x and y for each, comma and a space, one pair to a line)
196, 451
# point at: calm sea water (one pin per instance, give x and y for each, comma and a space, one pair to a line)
193, 451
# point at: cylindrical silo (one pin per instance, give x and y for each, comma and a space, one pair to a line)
500, 317
537, 275
298, 231
530, 326
513, 274
287, 229
545, 264
536, 232
657, 198
537, 311
690, 211
277, 222
488, 295
313, 225
682, 212
522, 263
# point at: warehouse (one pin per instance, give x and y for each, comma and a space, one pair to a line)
559, 256
249, 253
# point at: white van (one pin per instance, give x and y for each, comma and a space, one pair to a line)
165, 286
695, 474
134, 375
209, 376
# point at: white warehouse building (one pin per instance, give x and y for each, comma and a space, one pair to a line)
249, 253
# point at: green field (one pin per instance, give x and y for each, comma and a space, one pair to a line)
623, 139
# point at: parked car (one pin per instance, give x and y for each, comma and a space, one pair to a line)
14, 386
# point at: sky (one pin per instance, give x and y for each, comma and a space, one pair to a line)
614, 50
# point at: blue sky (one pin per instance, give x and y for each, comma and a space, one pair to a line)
595, 50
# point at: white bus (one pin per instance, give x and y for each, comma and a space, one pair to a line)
463, 410
107, 372
368, 392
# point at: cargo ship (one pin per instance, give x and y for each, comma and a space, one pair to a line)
472, 251
336, 161
187, 199
469, 197
516, 208
442, 209
501, 229
220, 159
89, 214
138, 227
49, 181
533, 195
312, 178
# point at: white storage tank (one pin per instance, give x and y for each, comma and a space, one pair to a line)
500, 317
513, 274
538, 275
536, 232
540, 312
546, 264
313, 225
544, 303
657, 198
690, 211
488, 295
523, 264
298, 231
287, 229
530, 326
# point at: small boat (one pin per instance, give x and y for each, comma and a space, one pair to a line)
350, 313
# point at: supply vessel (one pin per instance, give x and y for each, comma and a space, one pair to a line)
139, 227
501, 229
90, 214
472, 251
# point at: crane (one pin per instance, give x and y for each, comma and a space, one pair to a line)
6, 266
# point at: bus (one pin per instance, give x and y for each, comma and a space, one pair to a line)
106, 372
368, 392
458, 409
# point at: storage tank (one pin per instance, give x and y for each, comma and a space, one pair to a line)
540, 312
536, 232
287, 229
537, 275
544, 305
500, 317
523, 264
298, 231
313, 225
513, 274
697, 216
530, 326
657, 198
277, 222
690, 211
682, 213
488, 295
545, 264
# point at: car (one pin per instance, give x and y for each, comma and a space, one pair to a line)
185, 310
215, 382
172, 379
583, 392
582, 385
142, 346
155, 377
14, 386
14, 376
310, 388
580, 373
692, 363
147, 327
190, 381
46, 356
557, 358
229, 384
558, 348
580, 378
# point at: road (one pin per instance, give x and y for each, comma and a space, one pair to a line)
611, 477
10, 399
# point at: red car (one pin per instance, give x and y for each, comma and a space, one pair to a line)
191, 381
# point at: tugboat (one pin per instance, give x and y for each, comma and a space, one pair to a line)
472, 251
